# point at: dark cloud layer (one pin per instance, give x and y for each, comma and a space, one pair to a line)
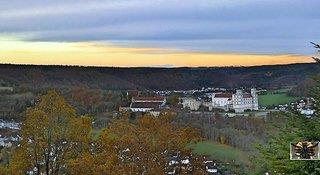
254, 26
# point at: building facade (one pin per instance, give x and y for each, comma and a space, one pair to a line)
194, 104
239, 101
191, 103
147, 104
222, 101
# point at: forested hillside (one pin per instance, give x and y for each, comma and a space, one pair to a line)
274, 76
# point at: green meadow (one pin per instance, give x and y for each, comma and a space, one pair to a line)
276, 98
221, 152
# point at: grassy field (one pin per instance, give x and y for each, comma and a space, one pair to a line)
276, 98
221, 152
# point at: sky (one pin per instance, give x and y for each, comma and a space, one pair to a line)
158, 33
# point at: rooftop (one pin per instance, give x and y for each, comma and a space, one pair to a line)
247, 95
155, 99
153, 105
223, 95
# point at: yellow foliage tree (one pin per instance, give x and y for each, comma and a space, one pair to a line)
51, 135
141, 147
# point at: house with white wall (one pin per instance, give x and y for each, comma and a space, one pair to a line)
191, 103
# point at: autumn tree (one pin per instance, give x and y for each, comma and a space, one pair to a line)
86, 100
141, 147
173, 99
51, 135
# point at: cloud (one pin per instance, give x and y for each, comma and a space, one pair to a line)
254, 26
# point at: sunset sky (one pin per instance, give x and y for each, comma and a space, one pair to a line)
158, 33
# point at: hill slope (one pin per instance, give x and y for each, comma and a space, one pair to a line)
273, 76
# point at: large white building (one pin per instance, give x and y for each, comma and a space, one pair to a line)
239, 101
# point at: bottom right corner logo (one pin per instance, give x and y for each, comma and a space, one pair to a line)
304, 150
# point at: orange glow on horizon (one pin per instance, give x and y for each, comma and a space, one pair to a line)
92, 54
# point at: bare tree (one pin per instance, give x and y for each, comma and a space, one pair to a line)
317, 46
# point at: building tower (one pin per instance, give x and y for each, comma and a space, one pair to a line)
237, 101
255, 103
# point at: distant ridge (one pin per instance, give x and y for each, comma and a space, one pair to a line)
269, 76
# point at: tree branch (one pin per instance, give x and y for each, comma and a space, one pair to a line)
317, 46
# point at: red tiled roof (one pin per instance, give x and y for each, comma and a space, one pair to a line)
157, 98
223, 95
247, 95
153, 105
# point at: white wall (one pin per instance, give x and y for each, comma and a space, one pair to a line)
191, 103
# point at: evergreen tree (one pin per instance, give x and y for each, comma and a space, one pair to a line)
274, 156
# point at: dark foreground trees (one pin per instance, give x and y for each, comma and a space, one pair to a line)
274, 157
56, 141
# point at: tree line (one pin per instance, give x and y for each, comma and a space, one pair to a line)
35, 77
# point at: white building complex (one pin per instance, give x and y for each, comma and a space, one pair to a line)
239, 101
